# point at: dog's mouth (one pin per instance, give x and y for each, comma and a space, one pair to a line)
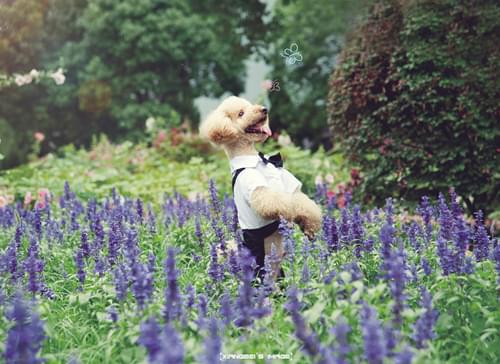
260, 127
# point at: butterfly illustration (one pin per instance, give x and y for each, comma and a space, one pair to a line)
292, 54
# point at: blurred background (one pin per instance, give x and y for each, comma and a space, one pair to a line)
402, 94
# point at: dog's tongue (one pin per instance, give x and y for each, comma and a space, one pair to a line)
266, 130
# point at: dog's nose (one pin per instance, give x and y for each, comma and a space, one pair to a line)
264, 110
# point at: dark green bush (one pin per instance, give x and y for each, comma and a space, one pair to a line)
414, 100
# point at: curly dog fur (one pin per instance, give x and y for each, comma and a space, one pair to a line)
227, 126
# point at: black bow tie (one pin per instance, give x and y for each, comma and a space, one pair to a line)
273, 159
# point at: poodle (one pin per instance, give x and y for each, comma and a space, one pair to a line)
263, 190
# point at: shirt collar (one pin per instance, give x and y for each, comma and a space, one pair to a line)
244, 161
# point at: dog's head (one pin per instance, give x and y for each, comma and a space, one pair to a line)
236, 120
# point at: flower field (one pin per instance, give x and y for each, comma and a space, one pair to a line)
119, 280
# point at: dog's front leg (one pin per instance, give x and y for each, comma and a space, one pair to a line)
307, 214
271, 204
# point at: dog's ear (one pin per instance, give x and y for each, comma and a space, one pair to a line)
218, 128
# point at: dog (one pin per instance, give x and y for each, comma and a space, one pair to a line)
263, 190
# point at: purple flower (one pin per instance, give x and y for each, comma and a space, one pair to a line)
34, 267
368, 245
121, 282
84, 244
139, 208
340, 331
142, 284
445, 256
412, 236
345, 226
197, 229
113, 314
405, 356
151, 219
373, 335
173, 304
80, 268
386, 238
496, 257
214, 270
213, 343
389, 211
309, 340
425, 210
189, 296
202, 310
150, 338
245, 303
163, 346
330, 233
445, 219
214, 198
10, 258
25, 337
423, 330
426, 266
397, 280
226, 310
481, 240
305, 277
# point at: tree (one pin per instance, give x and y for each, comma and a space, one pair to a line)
125, 61
156, 57
318, 28
414, 100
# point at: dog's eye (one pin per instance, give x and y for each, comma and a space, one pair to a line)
241, 113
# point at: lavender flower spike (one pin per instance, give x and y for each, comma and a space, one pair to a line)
424, 327
374, 343
24, 338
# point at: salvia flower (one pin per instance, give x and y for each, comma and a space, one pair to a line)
164, 346
226, 309
173, 304
386, 238
214, 198
423, 330
213, 343
405, 356
426, 266
25, 337
374, 343
481, 240
445, 219
330, 233
397, 280
309, 340
80, 267
121, 282
342, 348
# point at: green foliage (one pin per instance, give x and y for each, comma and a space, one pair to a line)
182, 162
414, 100
318, 28
125, 61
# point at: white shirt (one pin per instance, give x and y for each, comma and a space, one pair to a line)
257, 174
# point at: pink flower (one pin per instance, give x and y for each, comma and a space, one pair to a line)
43, 197
27, 199
160, 138
341, 201
267, 84
39, 136
3, 202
